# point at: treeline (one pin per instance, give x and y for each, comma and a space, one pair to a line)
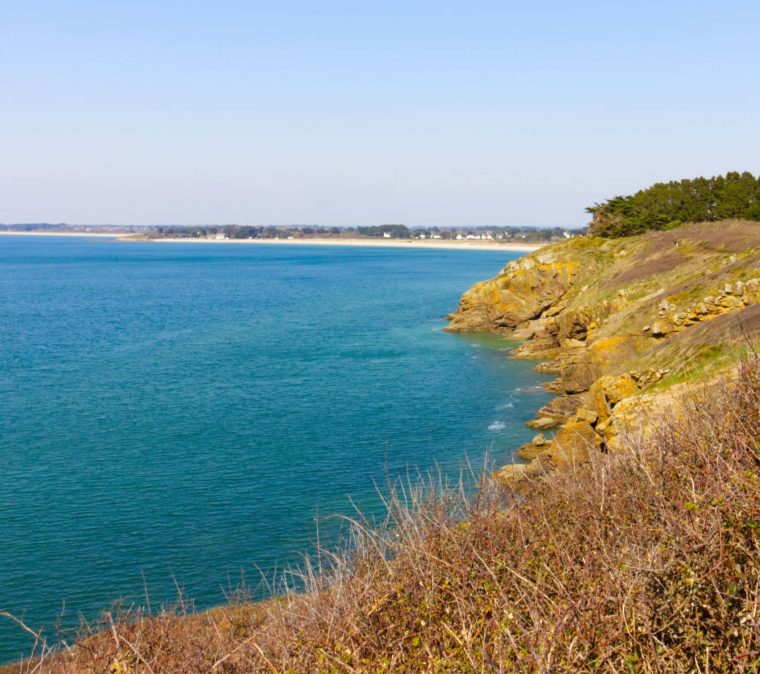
63, 228
667, 205
523, 233
504, 233
396, 231
238, 231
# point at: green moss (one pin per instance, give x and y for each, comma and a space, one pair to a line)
703, 363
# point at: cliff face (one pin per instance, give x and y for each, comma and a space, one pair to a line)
620, 321
524, 290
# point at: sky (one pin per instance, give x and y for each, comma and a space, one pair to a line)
353, 112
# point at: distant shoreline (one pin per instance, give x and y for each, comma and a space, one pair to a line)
366, 243
441, 244
35, 233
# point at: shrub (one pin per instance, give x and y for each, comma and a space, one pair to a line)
667, 205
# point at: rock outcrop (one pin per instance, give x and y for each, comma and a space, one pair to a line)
619, 321
524, 290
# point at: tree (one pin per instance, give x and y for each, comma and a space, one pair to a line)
667, 205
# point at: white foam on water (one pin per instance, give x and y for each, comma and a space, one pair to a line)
497, 426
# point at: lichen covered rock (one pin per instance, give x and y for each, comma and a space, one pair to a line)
523, 290
573, 442
613, 319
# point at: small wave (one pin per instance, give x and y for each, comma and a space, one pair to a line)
497, 426
528, 389
506, 406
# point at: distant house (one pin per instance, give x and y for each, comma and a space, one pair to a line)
459, 237
387, 235
220, 236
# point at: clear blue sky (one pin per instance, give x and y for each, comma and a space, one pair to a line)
355, 112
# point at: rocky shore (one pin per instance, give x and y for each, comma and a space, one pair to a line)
623, 323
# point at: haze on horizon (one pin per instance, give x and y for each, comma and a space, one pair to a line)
422, 112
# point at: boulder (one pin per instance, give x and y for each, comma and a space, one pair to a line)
573, 323
576, 373
608, 391
573, 443
543, 423
583, 414
514, 475
731, 302
549, 367
662, 328
617, 388
531, 450
561, 408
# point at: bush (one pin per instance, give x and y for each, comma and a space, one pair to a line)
667, 205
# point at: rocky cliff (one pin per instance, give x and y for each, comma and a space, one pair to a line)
623, 323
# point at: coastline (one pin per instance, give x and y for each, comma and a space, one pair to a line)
101, 235
359, 243
363, 243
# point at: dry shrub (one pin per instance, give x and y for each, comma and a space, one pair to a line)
643, 561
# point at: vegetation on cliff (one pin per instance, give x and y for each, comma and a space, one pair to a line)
667, 205
620, 321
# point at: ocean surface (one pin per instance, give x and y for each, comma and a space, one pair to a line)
190, 411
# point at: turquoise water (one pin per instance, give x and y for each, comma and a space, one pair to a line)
189, 410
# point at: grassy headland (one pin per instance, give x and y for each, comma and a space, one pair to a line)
620, 321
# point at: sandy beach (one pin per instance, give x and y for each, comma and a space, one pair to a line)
367, 243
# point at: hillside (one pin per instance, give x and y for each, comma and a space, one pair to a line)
630, 541
620, 321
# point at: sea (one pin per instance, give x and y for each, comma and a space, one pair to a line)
195, 416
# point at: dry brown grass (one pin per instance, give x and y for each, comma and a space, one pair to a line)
645, 561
